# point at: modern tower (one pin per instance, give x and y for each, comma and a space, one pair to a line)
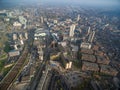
41, 19
26, 35
91, 36
20, 36
88, 32
78, 17
72, 29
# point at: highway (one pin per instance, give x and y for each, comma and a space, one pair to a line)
34, 83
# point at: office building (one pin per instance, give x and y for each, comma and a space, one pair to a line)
20, 36
72, 29
21, 42
78, 17
91, 36
26, 35
88, 32
15, 47
41, 19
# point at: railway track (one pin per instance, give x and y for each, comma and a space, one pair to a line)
10, 77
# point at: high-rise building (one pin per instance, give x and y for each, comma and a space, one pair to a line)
20, 36
78, 17
15, 47
72, 29
70, 64
41, 19
91, 36
88, 32
26, 35
23, 21
21, 42
67, 66
14, 36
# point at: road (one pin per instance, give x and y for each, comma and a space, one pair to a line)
43, 79
36, 79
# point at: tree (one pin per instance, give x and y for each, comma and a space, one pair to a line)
7, 47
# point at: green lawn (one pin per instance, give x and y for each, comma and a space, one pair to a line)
4, 56
6, 70
2, 63
7, 47
77, 63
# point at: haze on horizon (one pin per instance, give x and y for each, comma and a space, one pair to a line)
104, 3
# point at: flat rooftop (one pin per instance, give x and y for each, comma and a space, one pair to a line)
87, 57
88, 66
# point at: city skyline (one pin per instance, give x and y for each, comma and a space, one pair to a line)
59, 45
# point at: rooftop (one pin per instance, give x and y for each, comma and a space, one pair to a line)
87, 57
88, 66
